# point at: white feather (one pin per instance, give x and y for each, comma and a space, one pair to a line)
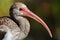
8, 36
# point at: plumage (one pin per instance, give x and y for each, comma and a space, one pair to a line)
13, 28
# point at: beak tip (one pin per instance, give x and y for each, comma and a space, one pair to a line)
51, 36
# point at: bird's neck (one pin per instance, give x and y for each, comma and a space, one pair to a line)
23, 24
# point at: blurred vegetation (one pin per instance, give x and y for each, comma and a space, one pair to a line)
4, 7
48, 10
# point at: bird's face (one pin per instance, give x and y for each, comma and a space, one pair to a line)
20, 9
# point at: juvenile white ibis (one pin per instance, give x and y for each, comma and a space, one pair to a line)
16, 27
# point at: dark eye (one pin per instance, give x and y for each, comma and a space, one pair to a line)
20, 9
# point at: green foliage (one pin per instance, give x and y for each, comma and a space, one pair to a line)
4, 7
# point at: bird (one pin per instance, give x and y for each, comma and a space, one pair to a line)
16, 26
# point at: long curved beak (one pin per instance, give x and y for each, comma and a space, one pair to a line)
28, 13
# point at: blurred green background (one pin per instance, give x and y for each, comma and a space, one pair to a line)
48, 10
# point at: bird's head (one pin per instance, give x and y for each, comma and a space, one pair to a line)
17, 9
20, 9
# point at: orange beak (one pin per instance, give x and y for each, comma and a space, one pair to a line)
28, 13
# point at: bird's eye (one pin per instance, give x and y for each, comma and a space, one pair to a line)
20, 9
